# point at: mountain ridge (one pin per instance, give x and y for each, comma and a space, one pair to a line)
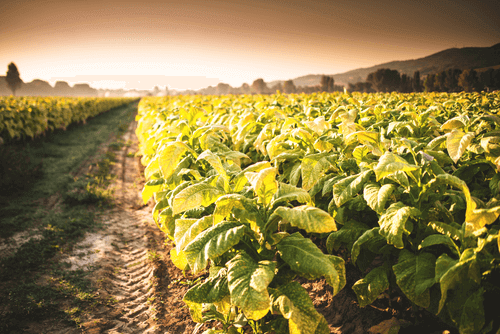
461, 58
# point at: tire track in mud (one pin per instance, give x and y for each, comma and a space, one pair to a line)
135, 278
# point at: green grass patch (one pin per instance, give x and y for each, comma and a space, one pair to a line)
32, 285
52, 159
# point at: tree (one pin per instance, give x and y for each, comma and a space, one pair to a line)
259, 87
406, 85
289, 87
222, 88
468, 80
451, 80
429, 83
385, 80
417, 84
327, 83
13, 78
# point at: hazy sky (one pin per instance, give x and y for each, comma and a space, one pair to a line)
230, 41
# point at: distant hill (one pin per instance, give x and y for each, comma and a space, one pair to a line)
461, 58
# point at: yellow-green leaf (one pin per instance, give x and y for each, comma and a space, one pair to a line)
309, 218
390, 164
294, 303
376, 196
457, 142
200, 194
347, 188
264, 184
248, 281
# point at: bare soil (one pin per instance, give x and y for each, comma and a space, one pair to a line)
144, 289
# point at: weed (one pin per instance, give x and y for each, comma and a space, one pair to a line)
153, 256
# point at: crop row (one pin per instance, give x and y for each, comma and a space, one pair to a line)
405, 186
23, 117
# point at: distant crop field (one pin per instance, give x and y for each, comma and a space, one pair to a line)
29, 117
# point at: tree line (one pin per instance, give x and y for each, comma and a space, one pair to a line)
451, 80
259, 86
13, 83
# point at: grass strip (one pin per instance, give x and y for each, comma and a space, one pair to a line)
32, 286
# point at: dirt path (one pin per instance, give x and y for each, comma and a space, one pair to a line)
133, 275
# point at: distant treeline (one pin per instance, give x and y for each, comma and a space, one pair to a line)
259, 86
452, 80
43, 88
383, 80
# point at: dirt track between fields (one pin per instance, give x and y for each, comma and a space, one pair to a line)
133, 275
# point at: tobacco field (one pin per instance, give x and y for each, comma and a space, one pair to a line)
263, 191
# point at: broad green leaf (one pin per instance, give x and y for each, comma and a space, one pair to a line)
181, 226
306, 258
186, 230
436, 142
339, 265
178, 259
360, 152
212, 243
371, 286
216, 164
302, 135
322, 145
313, 167
200, 194
264, 184
391, 163
263, 135
235, 156
150, 188
287, 193
478, 218
318, 125
415, 274
473, 317
224, 206
212, 290
442, 158
295, 174
275, 145
475, 218
495, 184
248, 281
393, 223
454, 273
401, 178
366, 237
196, 174
347, 188
377, 196
439, 239
347, 235
364, 137
240, 180
457, 143
294, 303
445, 229
309, 218
450, 273
453, 124
152, 168
170, 155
